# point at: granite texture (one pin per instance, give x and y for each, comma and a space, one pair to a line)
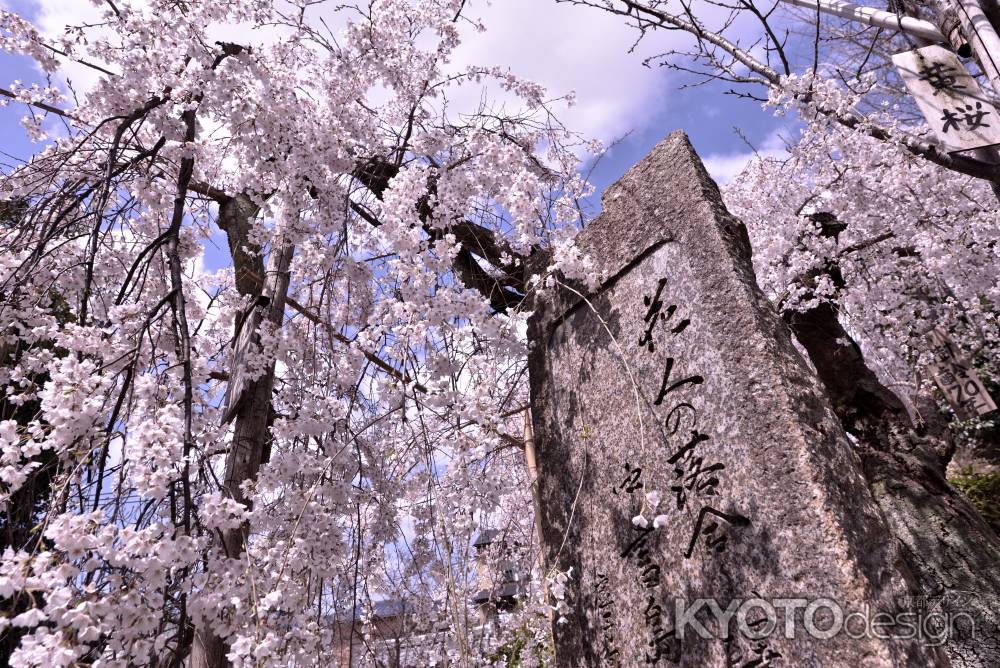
762, 495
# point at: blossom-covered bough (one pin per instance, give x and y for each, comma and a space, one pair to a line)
757, 45
378, 228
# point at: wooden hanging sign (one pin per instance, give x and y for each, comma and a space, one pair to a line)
951, 100
957, 379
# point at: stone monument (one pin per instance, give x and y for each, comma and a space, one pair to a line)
676, 379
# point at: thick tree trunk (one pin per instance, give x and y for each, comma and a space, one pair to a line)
209, 650
236, 216
952, 553
251, 436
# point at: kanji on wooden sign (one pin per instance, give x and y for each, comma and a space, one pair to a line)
951, 100
956, 377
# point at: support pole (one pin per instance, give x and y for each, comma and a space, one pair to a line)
982, 37
532, 466
876, 17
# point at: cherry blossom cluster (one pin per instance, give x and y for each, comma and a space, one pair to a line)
397, 384
899, 244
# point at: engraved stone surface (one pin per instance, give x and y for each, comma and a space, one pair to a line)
676, 376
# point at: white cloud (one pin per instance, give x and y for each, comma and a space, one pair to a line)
571, 49
724, 167
51, 18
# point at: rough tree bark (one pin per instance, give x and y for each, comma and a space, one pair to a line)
952, 553
251, 436
236, 215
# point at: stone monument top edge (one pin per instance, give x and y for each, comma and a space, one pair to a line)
665, 187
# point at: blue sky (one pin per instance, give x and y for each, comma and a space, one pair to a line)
16, 146
709, 117
585, 50
13, 68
